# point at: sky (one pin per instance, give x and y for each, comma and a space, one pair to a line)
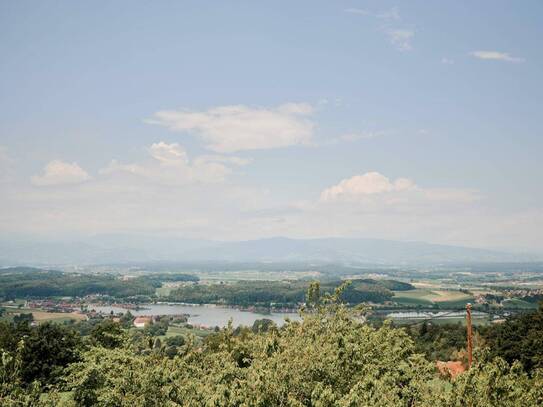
416, 120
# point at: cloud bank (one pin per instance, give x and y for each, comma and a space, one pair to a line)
59, 172
169, 164
228, 129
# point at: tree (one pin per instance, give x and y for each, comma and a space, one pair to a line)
263, 325
519, 339
108, 334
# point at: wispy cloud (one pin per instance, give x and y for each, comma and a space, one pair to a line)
399, 37
496, 56
61, 173
358, 11
392, 14
170, 165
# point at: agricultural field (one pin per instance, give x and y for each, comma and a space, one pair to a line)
430, 297
515, 303
43, 316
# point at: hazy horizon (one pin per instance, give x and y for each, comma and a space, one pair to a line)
241, 121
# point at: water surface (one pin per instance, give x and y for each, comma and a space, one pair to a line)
205, 315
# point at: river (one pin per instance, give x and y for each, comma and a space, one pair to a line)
204, 315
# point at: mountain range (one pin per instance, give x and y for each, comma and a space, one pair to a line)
114, 249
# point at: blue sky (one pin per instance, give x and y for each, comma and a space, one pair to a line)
238, 120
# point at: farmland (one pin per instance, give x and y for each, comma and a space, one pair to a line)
430, 297
41, 316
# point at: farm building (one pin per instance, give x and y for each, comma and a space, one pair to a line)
141, 322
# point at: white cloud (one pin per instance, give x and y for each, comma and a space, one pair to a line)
374, 189
400, 38
171, 165
228, 129
496, 56
366, 184
168, 153
61, 173
447, 61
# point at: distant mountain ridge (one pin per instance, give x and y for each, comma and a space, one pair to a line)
108, 249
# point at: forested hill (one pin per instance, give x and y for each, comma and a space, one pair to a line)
24, 282
283, 293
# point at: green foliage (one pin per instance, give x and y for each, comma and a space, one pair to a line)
519, 338
23, 318
328, 359
108, 334
280, 293
157, 328
28, 282
495, 383
178, 340
263, 325
38, 353
438, 341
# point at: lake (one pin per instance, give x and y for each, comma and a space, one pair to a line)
204, 315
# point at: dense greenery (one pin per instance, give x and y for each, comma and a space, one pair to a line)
43, 351
520, 338
330, 358
25, 282
282, 293
439, 341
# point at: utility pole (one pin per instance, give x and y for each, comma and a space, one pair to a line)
470, 343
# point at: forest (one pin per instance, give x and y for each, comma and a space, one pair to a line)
283, 293
26, 282
329, 358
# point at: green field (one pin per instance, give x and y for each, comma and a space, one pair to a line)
43, 316
515, 303
430, 297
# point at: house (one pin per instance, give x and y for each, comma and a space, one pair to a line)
141, 322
